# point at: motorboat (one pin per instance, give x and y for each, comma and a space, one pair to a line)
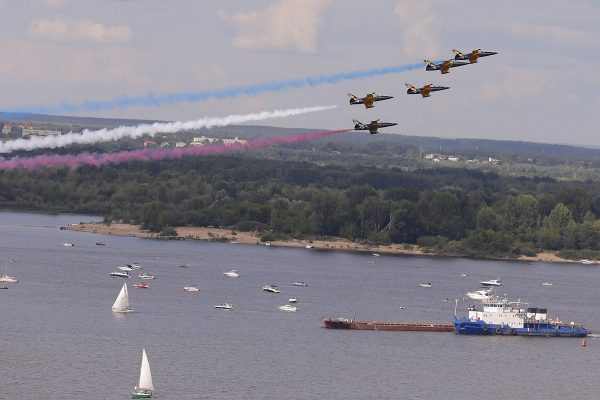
292, 300
310, 246
481, 294
141, 285
271, 289
224, 306
146, 275
121, 304
288, 308
8, 279
547, 284
184, 265
304, 284
192, 288
125, 268
234, 273
144, 388
464, 274
492, 282
267, 243
119, 274
425, 284
68, 244
585, 261
134, 266
375, 254
100, 244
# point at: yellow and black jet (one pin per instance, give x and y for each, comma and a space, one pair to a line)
424, 91
372, 127
368, 100
472, 56
444, 66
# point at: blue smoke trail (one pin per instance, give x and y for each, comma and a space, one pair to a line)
191, 97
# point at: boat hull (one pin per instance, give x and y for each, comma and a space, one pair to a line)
342, 323
546, 329
141, 395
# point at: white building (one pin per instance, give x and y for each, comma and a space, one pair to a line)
26, 132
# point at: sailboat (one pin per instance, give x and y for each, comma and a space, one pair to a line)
145, 388
7, 278
122, 302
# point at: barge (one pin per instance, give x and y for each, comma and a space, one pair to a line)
345, 323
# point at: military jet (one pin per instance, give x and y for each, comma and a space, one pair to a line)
425, 91
472, 56
368, 100
371, 127
444, 67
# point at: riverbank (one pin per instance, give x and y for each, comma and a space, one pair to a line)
227, 235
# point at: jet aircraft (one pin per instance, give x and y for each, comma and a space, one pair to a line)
424, 91
444, 66
371, 127
368, 100
472, 56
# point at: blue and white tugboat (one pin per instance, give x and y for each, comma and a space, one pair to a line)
502, 317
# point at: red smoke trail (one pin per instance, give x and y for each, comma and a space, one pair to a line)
99, 159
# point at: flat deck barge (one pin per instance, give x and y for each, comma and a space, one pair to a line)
345, 323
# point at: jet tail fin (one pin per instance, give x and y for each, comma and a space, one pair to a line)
358, 124
352, 97
429, 63
458, 53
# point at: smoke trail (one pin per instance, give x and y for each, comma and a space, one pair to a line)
235, 91
107, 135
98, 159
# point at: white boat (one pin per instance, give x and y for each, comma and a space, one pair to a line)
6, 278
224, 306
425, 284
146, 275
271, 289
145, 388
464, 275
267, 243
375, 254
234, 273
585, 261
121, 304
192, 288
547, 284
492, 282
68, 244
481, 294
125, 268
183, 265
119, 274
292, 300
310, 246
288, 308
134, 266
304, 284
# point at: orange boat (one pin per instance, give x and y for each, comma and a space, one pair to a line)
141, 285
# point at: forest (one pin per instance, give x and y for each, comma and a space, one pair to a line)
459, 211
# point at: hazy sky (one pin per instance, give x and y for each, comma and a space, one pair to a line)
544, 85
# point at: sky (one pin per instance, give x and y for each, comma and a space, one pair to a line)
543, 86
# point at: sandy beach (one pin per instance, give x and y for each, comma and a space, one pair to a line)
227, 235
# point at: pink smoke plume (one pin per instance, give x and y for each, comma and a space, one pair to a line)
100, 159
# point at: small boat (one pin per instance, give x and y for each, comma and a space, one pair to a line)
375, 254
141, 285
481, 294
372, 262
224, 306
288, 308
68, 244
184, 265
100, 244
547, 284
146, 275
145, 388
310, 246
134, 266
234, 273
8, 279
425, 284
492, 282
586, 261
464, 275
119, 274
125, 268
191, 288
121, 304
292, 300
304, 284
267, 243
271, 289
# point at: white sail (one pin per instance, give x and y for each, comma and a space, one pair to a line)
122, 301
145, 375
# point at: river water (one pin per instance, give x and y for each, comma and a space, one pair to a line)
60, 340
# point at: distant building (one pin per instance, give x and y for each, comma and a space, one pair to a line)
6, 129
453, 158
149, 143
234, 141
27, 132
202, 140
180, 144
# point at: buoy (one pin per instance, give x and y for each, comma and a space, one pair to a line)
584, 343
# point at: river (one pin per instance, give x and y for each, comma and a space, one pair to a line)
60, 339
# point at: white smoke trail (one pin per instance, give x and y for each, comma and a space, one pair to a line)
107, 135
